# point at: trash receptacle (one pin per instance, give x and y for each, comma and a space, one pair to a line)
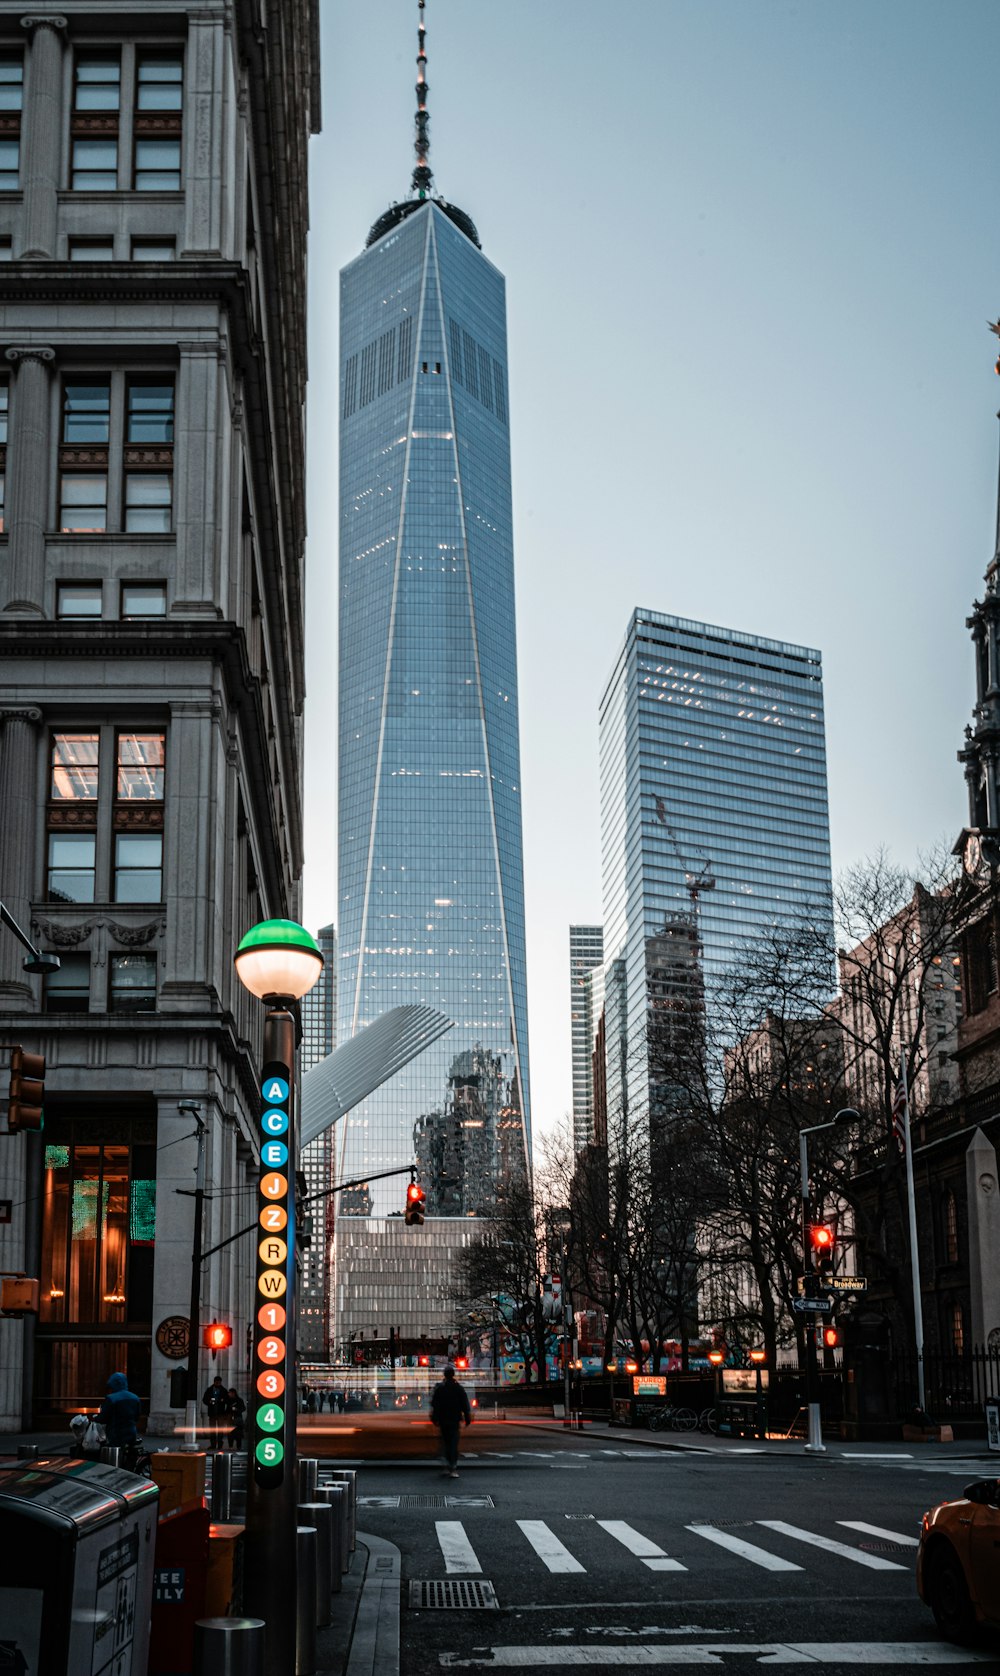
77, 1578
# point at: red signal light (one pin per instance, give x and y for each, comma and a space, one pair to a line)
461, 1362
822, 1237
831, 1337
416, 1200
423, 1361
217, 1336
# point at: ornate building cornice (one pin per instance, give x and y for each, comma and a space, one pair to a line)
45, 20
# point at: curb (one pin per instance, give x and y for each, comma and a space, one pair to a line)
374, 1647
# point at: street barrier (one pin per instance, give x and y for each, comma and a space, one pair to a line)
321, 1514
308, 1478
347, 1475
229, 1647
222, 1488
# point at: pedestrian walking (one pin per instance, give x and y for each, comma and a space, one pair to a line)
119, 1413
236, 1409
216, 1402
450, 1406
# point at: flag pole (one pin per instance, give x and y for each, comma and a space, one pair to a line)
918, 1309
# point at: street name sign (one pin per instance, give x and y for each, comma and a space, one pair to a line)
846, 1283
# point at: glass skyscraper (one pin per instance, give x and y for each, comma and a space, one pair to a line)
714, 811
586, 996
430, 867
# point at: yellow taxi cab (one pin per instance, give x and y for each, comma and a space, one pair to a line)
958, 1561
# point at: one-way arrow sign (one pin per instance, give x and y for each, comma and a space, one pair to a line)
809, 1306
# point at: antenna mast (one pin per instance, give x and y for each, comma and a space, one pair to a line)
422, 174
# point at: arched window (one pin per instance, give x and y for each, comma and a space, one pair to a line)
950, 1227
957, 1329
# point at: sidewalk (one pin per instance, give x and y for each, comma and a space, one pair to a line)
362, 1638
704, 1443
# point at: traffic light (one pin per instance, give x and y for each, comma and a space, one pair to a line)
831, 1337
416, 1200
461, 1362
423, 1361
822, 1239
26, 1091
217, 1336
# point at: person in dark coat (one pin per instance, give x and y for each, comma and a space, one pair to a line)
119, 1412
236, 1409
449, 1407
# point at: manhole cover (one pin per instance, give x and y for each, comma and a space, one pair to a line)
884, 1547
454, 1595
578, 1515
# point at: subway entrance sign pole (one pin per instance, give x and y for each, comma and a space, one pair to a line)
279, 962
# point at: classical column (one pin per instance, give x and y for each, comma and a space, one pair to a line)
42, 133
28, 480
18, 831
984, 1237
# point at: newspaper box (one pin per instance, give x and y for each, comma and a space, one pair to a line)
77, 1539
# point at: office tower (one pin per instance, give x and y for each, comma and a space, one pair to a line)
319, 1038
586, 955
714, 819
430, 871
151, 663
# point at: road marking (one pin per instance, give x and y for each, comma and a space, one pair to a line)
829, 1546
548, 1546
538, 1454
877, 1530
459, 1555
871, 1456
871, 1653
648, 1552
745, 1550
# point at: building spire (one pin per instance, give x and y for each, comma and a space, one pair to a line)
422, 175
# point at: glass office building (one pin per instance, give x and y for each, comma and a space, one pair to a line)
319, 1038
586, 997
430, 867
713, 811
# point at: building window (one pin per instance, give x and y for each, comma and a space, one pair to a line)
133, 983
11, 98
92, 250
143, 599
68, 990
4, 405
96, 105
980, 963
149, 455
153, 250
83, 455
6, 250
957, 1329
98, 1224
158, 100
950, 1227
131, 829
79, 599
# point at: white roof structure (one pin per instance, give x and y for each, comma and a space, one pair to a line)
344, 1078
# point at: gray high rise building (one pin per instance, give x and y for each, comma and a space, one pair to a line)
319, 1039
586, 998
714, 816
154, 167
429, 844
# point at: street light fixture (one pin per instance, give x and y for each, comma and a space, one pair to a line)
278, 962
814, 1443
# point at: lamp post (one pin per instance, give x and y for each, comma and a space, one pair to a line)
716, 1358
757, 1360
278, 962
814, 1442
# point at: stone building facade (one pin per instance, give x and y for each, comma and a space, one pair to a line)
153, 177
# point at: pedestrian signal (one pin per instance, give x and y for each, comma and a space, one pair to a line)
416, 1200
461, 1362
217, 1336
26, 1090
831, 1337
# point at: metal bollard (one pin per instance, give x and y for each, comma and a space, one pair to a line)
347, 1475
321, 1514
229, 1647
222, 1488
27, 1451
111, 1454
338, 1495
308, 1478
305, 1605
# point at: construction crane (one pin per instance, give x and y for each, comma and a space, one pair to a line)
694, 883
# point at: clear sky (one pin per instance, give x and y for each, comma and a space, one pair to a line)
751, 248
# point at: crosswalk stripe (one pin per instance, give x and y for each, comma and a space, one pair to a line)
640, 1546
874, 1562
459, 1555
548, 1546
745, 1550
877, 1530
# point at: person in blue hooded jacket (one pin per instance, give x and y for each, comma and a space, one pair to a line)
119, 1412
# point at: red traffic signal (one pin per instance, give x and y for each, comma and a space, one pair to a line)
831, 1337
822, 1239
423, 1361
416, 1200
26, 1090
217, 1336
461, 1362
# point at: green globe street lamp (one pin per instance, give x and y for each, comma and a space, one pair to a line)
278, 962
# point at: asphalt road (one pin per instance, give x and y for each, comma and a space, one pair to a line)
604, 1553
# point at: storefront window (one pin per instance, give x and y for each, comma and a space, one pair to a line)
98, 1220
